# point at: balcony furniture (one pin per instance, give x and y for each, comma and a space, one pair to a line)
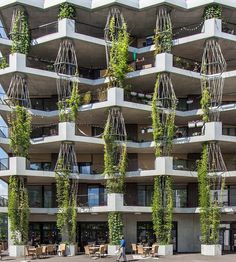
154, 250
61, 250
134, 248
101, 251
50, 250
141, 250
30, 251
39, 252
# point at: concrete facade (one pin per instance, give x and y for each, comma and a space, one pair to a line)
89, 145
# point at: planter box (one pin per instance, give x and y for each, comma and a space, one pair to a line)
112, 250
211, 250
71, 250
16, 250
165, 250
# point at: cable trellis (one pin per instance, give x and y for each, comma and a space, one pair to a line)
115, 14
18, 92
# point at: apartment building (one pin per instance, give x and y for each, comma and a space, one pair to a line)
183, 64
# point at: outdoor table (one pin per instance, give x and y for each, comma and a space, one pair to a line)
94, 249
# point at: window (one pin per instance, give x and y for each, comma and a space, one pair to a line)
180, 196
96, 196
85, 168
145, 195
35, 196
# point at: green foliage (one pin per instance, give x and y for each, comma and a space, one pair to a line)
156, 122
71, 105
3, 63
18, 210
213, 11
163, 40
67, 10
209, 209
87, 97
115, 172
205, 102
118, 59
162, 209
115, 227
67, 208
20, 39
20, 130
160, 129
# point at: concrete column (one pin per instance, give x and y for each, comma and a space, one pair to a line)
213, 130
17, 61
66, 27
115, 202
17, 165
66, 131
164, 165
115, 96
164, 62
212, 27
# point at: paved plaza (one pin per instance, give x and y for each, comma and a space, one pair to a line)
175, 258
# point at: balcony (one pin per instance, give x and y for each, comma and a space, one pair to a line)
43, 30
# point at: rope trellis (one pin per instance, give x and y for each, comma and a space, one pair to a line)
18, 92
115, 14
66, 61
17, 22
163, 22
117, 124
213, 65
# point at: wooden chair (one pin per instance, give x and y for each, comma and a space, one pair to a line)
44, 251
50, 250
88, 251
30, 252
101, 251
140, 250
39, 252
154, 250
134, 248
61, 250
106, 248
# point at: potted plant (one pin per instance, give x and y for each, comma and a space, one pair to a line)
87, 97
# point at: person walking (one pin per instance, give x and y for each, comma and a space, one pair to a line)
122, 250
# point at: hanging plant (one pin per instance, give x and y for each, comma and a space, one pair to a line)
162, 209
115, 225
67, 208
20, 34
20, 130
18, 210
67, 10
213, 11
118, 58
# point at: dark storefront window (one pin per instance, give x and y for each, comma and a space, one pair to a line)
43, 233
92, 233
145, 234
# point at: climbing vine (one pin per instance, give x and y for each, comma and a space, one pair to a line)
163, 40
115, 227
115, 172
3, 63
18, 210
67, 10
20, 130
118, 58
162, 209
156, 122
213, 11
67, 209
209, 208
20, 34
68, 110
